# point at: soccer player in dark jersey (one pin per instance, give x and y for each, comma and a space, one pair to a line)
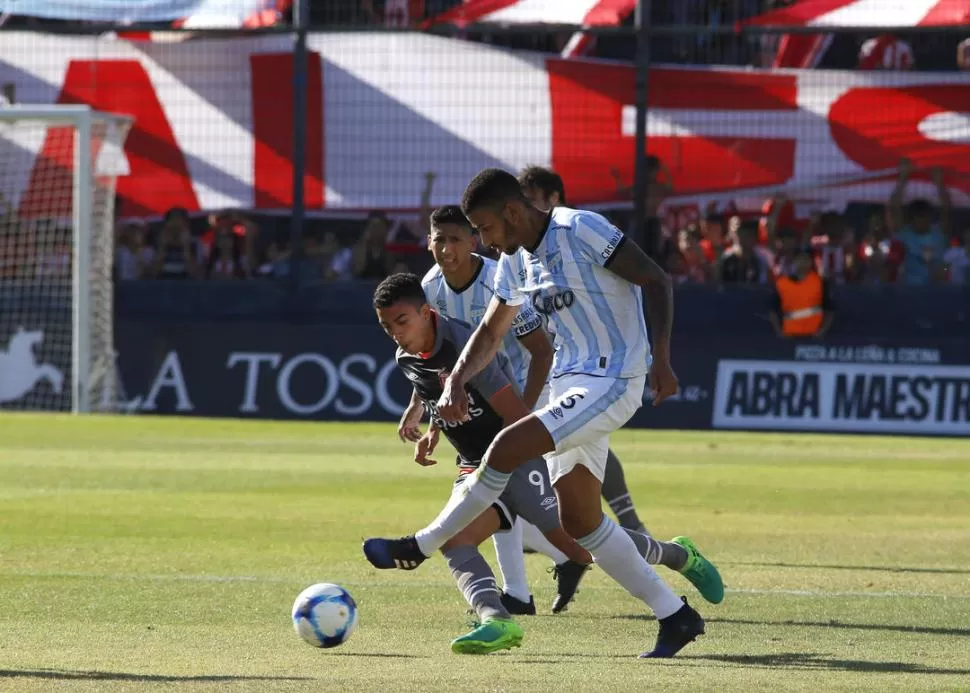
428, 347
545, 190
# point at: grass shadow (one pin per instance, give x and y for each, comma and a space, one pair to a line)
71, 675
838, 625
377, 655
923, 630
815, 662
867, 568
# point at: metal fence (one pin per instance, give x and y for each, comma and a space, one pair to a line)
347, 110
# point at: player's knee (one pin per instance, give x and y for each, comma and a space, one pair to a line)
579, 522
457, 542
501, 454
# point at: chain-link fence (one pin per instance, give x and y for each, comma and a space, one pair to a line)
314, 150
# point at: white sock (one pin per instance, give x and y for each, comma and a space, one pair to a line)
511, 562
477, 495
536, 540
617, 555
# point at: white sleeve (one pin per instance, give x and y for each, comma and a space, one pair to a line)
507, 288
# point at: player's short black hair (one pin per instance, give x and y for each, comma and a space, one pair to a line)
450, 214
544, 179
403, 286
492, 187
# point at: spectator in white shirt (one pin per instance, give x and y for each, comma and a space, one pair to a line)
132, 256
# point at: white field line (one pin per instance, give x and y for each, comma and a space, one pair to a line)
136, 577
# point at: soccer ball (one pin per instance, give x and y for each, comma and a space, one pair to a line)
324, 615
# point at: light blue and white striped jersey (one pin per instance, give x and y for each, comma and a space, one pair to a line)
596, 316
469, 303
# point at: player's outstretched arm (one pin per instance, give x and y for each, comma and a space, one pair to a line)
478, 353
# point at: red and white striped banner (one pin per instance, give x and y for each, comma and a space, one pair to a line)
869, 13
194, 14
213, 121
564, 12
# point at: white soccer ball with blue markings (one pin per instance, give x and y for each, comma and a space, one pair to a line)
325, 615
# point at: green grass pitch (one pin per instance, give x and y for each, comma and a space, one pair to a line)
139, 554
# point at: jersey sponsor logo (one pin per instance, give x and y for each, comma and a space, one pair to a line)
611, 246
863, 397
524, 326
522, 274
547, 305
442, 306
474, 411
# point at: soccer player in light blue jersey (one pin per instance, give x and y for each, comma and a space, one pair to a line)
581, 271
544, 189
460, 286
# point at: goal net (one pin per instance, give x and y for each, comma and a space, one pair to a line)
58, 167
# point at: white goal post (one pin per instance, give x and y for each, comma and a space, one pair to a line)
58, 168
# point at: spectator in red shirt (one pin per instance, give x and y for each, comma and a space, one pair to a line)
697, 268
712, 234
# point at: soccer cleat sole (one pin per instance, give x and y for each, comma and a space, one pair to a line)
476, 647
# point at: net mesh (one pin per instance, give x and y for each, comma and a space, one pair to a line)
40, 206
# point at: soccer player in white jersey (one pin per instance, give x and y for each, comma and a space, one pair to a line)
460, 286
582, 272
545, 190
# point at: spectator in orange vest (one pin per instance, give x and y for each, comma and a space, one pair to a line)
802, 304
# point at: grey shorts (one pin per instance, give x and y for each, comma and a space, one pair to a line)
529, 495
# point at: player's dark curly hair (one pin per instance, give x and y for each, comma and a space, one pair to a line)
403, 286
449, 214
544, 179
492, 187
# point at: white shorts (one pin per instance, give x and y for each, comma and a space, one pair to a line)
583, 412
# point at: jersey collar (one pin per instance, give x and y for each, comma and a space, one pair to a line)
475, 276
542, 235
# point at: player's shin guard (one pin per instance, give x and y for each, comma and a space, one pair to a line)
480, 492
476, 582
617, 555
617, 495
536, 540
656, 552
511, 562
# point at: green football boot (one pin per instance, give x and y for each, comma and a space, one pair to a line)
491, 636
701, 572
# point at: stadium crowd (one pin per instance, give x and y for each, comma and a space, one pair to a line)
913, 243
